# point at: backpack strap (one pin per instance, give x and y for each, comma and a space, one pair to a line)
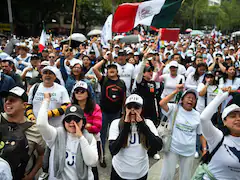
207, 157
35, 90
215, 149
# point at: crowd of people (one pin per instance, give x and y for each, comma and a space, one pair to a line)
62, 107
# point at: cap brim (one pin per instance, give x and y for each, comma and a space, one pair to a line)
189, 91
5, 94
72, 114
48, 70
234, 110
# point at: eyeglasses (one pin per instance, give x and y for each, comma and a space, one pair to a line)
133, 105
51, 57
80, 90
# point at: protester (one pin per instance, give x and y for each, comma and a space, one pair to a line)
171, 81
196, 77
59, 98
81, 95
8, 68
228, 139
113, 94
20, 136
73, 149
186, 127
129, 139
23, 59
125, 71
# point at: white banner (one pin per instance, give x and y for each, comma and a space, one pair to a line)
107, 31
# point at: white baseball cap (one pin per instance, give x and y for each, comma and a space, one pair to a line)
134, 98
45, 63
173, 63
116, 46
50, 68
80, 84
229, 109
232, 48
75, 61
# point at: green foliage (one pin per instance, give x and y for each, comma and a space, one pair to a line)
197, 14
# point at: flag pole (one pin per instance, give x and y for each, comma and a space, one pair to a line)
72, 24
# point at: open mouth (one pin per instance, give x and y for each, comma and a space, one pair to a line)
9, 108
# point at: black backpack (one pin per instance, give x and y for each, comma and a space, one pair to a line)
15, 150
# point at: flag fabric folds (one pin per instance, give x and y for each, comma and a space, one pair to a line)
156, 13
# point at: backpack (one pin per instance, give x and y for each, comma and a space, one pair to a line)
15, 146
203, 168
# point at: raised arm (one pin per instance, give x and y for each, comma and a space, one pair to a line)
164, 102
48, 132
140, 74
96, 68
210, 132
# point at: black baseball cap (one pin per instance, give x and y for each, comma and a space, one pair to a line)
16, 92
208, 73
121, 52
92, 52
74, 110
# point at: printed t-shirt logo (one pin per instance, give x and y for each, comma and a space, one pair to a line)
113, 92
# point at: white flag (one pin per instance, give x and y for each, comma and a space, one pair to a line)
107, 31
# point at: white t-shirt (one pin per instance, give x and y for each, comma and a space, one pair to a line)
190, 70
185, 130
59, 96
227, 168
126, 73
181, 69
5, 170
131, 162
191, 83
212, 91
23, 60
170, 83
69, 171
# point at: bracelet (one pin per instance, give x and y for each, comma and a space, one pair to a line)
205, 149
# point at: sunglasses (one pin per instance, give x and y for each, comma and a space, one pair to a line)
73, 118
70, 50
51, 57
133, 105
80, 90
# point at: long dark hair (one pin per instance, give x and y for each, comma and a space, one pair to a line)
90, 104
82, 75
214, 80
196, 74
225, 76
143, 138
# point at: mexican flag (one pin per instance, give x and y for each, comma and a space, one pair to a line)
42, 41
156, 13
